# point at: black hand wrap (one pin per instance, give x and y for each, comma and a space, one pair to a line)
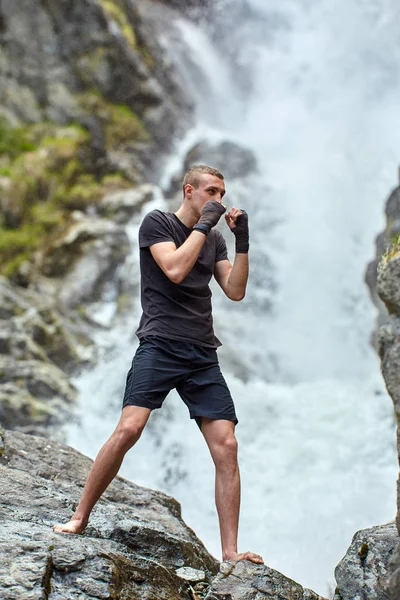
210, 215
241, 233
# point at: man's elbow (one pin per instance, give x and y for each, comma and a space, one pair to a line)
236, 296
175, 276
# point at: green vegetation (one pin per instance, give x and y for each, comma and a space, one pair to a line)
115, 10
42, 178
13, 141
392, 251
121, 125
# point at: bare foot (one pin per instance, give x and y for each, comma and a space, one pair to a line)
255, 558
73, 526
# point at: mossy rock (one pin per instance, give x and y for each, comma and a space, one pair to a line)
115, 10
120, 124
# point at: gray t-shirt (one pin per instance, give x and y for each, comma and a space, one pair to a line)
179, 311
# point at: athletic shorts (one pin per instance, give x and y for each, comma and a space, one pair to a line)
161, 364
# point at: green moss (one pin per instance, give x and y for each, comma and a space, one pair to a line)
16, 246
391, 252
79, 196
115, 11
14, 140
121, 125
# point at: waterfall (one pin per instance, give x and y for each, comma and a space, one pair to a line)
315, 97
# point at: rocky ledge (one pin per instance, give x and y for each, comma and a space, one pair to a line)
136, 547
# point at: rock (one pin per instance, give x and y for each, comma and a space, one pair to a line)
45, 70
86, 256
189, 574
387, 281
135, 542
392, 582
363, 571
382, 243
121, 206
234, 162
245, 580
38, 347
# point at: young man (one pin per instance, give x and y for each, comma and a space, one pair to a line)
179, 253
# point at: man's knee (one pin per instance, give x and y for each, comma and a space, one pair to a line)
225, 451
128, 432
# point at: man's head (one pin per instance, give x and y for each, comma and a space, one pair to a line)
202, 183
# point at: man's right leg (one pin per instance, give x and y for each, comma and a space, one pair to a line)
106, 466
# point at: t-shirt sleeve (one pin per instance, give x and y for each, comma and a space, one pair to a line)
154, 229
221, 253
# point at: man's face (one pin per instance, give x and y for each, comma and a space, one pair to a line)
210, 188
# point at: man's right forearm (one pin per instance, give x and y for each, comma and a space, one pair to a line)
181, 261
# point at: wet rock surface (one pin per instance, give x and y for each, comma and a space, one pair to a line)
247, 581
363, 571
135, 543
388, 282
39, 347
382, 242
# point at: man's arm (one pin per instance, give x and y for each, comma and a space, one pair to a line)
175, 262
233, 278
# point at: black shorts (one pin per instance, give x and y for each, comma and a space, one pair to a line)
161, 364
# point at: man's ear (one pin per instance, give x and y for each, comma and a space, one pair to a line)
188, 190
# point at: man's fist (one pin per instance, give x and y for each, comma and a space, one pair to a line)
210, 215
238, 222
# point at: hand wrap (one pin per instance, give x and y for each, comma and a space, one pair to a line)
210, 215
241, 233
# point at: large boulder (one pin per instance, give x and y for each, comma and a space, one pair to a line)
83, 259
135, 546
363, 571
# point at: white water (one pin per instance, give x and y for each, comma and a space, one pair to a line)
316, 433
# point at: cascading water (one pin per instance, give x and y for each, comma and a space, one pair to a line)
316, 433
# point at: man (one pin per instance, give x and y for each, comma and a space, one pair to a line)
179, 253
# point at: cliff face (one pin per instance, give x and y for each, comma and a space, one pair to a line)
90, 101
388, 286
383, 279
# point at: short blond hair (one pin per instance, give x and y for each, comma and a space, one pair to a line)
193, 175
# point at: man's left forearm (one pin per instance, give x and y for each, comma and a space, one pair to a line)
238, 277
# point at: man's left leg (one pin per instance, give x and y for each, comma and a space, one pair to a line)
221, 440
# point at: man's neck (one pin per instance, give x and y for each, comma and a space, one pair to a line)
185, 214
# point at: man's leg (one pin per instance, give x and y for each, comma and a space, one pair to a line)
221, 440
106, 466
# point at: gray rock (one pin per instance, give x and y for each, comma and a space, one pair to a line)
38, 347
392, 583
189, 574
48, 61
234, 161
387, 283
86, 256
121, 206
245, 580
132, 548
364, 569
382, 242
